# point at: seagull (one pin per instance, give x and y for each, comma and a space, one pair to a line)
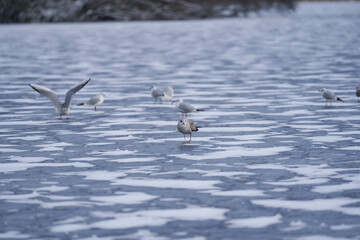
185, 108
358, 92
64, 108
187, 126
168, 93
94, 101
156, 93
329, 96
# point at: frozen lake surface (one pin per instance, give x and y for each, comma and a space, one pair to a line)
270, 161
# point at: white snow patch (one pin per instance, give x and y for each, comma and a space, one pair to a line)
235, 152
238, 193
13, 235
168, 183
124, 198
294, 226
255, 222
332, 204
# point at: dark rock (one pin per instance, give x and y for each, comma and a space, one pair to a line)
12, 11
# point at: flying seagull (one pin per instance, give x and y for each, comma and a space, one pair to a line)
94, 101
64, 108
185, 108
187, 126
156, 93
329, 96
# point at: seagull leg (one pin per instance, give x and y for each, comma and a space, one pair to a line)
330, 103
184, 140
95, 108
190, 139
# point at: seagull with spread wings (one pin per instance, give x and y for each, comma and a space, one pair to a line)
61, 108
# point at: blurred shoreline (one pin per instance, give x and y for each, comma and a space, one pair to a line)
24, 11
67, 11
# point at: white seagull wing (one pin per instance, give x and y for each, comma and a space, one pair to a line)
329, 95
186, 108
50, 94
169, 92
72, 91
94, 100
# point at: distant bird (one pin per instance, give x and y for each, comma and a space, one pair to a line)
94, 101
185, 108
358, 92
329, 96
156, 93
64, 108
187, 126
168, 93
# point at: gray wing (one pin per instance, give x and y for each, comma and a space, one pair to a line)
192, 125
157, 93
72, 91
93, 100
50, 94
329, 95
184, 107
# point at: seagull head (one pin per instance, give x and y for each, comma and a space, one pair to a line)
183, 121
153, 87
322, 90
102, 94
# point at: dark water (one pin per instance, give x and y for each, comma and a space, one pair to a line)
270, 161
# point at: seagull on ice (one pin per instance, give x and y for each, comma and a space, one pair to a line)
358, 92
168, 93
64, 108
185, 108
94, 101
329, 96
156, 93
187, 126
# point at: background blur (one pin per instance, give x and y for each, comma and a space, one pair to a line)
12, 11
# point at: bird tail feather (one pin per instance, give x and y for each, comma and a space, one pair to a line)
200, 110
339, 99
80, 104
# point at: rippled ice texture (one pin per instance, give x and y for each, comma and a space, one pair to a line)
270, 161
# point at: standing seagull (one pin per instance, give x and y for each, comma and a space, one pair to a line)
94, 101
358, 92
185, 108
156, 93
168, 93
329, 96
64, 108
187, 126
